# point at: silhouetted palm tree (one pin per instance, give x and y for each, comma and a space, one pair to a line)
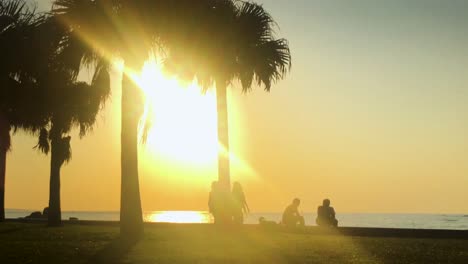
104, 29
69, 104
18, 109
237, 43
184, 28
128, 29
39, 89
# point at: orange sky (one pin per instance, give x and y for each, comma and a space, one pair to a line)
373, 116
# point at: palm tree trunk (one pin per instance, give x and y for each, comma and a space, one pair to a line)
55, 215
223, 135
131, 217
5, 141
3, 153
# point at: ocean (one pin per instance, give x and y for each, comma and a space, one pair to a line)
414, 221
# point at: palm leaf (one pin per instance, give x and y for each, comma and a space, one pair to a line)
64, 150
43, 141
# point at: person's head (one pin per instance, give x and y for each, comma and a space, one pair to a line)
326, 202
296, 202
237, 187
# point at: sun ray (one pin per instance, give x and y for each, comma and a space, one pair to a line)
183, 123
183, 118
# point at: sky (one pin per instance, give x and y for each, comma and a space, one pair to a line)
373, 115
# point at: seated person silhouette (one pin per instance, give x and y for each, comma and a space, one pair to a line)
291, 216
326, 215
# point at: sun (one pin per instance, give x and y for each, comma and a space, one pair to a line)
183, 138
183, 118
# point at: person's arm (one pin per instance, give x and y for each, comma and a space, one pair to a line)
296, 212
246, 207
319, 212
332, 212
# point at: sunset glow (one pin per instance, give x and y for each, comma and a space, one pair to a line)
183, 118
372, 115
179, 217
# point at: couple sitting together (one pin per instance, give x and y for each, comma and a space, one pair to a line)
325, 215
227, 207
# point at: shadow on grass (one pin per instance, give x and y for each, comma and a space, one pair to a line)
8, 227
114, 252
9, 230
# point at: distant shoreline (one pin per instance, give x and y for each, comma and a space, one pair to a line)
256, 212
312, 230
375, 220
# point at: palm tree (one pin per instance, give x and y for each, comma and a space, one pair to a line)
238, 44
39, 90
129, 29
69, 104
4, 147
102, 29
17, 106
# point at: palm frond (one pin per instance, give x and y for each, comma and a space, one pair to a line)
254, 22
260, 56
64, 150
145, 130
19, 100
12, 9
43, 141
91, 32
17, 12
101, 79
73, 54
271, 63
236, 41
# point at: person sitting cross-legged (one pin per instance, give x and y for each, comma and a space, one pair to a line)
326, 215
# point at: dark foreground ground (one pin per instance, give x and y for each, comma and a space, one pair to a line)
166, 243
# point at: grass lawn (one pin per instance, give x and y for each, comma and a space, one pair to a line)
34, 243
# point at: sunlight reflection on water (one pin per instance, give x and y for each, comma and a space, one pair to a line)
178, 217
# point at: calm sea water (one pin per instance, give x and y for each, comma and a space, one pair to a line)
420, 221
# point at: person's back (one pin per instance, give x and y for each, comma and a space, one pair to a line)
288, 215
220, 203
239, 203
326, 215
214, 200
239, 199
